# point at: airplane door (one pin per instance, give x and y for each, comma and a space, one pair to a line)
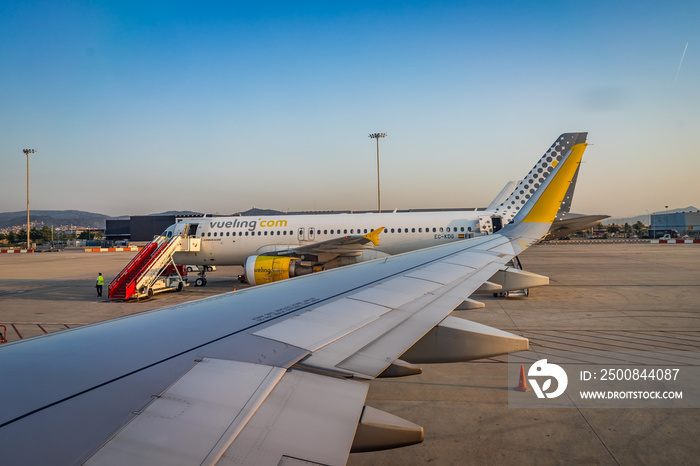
497, 223
301, 234
191, 229
312, 233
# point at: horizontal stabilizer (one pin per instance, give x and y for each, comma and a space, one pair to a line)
460, 340
503, 195
378, 430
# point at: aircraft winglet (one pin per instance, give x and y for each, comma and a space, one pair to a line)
373, 236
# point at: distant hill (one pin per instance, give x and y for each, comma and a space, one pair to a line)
255, 211
56, 218
177, 212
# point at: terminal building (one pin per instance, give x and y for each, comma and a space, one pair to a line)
685, 221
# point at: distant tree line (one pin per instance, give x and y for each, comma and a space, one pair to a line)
638, 229
43, 235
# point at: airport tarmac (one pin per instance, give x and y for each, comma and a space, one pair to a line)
601, 296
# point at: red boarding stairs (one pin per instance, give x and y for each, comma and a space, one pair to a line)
143, 275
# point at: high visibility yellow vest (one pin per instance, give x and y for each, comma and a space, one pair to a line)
100, 280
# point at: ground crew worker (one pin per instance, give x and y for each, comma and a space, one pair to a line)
99, 283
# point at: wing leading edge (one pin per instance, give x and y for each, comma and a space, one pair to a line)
268, 375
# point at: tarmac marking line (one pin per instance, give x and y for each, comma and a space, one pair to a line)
670, 338
17, 331
603, 338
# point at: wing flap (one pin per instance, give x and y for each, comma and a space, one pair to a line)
377, 355
367, 351
307, 417
396, 291
441, 273
318, 327
327, 323
197, 417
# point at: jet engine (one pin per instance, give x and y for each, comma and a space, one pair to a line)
267, 269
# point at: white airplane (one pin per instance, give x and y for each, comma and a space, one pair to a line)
273, 248
274, 374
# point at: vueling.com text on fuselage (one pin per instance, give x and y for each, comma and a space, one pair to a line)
251, 225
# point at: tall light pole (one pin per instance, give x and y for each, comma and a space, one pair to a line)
379, 191
27, 152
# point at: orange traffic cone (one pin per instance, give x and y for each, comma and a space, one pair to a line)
522, 385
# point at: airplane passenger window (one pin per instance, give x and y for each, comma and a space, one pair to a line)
392, 230
331, 232
214, 233
448, 228
413, 230
461, 229
440, 229
420, 230
345, 232
266, 233
209, 234
434, 230
228, 233
352, 231
246, 233
259, 233
285, 232
325, 232
278, 232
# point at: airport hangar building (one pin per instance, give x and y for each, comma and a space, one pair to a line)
686, 221
140, 228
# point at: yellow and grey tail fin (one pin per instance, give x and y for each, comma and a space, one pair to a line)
542, 171
540, 197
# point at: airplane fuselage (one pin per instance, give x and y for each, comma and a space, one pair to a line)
230, 240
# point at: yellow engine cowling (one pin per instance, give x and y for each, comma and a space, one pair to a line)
267, 269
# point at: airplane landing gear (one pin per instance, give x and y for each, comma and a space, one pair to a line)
201, 280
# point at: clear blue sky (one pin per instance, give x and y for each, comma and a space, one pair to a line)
138, 107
